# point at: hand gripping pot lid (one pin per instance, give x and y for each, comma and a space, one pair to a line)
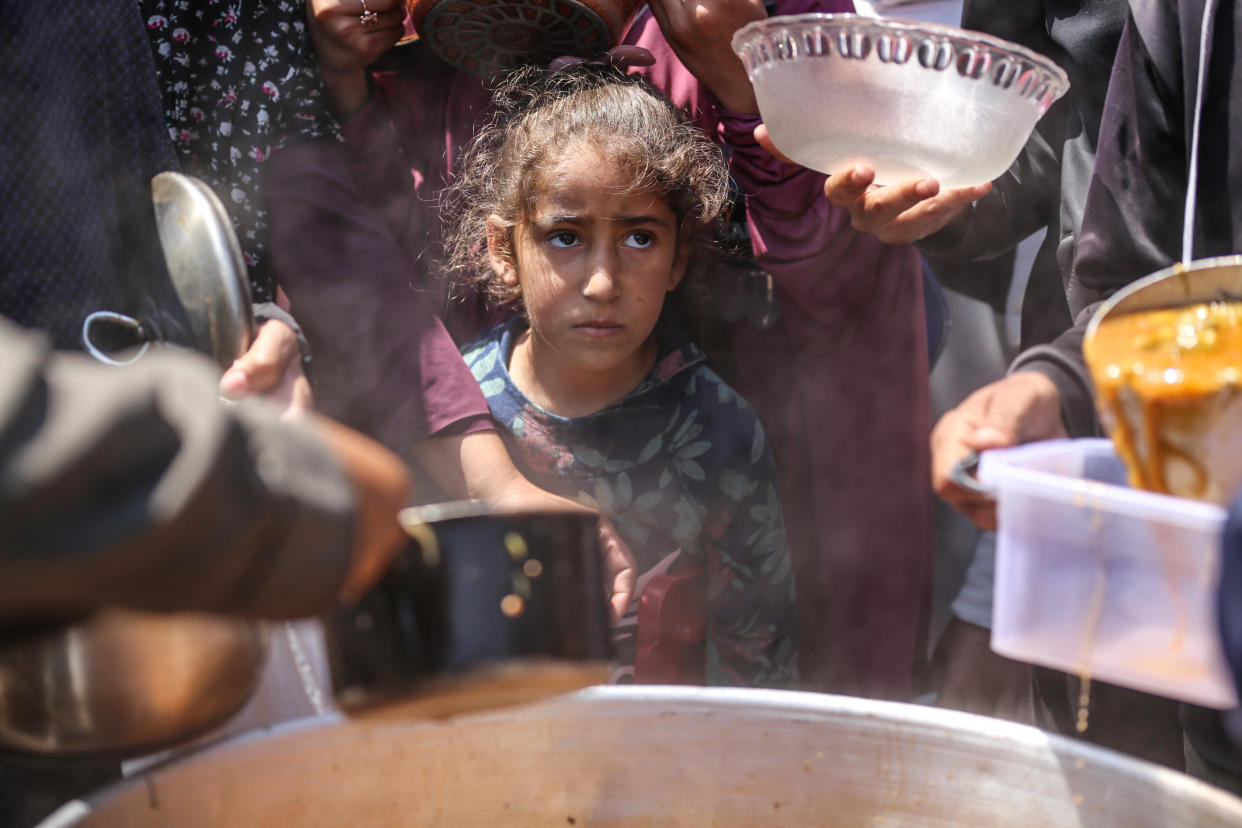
911, 100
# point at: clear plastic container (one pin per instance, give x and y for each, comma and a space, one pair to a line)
1098, 579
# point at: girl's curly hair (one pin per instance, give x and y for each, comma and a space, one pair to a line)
538, 115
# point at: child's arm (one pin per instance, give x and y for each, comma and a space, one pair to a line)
752, 618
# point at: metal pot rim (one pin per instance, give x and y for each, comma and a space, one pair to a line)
462, 509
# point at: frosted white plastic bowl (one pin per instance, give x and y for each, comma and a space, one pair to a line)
1096, 578
909, 99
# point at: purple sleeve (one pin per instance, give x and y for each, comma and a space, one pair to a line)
384, 363
377, 159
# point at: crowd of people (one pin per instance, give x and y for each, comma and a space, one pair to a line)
518, 289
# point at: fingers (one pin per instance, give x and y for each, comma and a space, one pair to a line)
381, 484
1023, 407
764, 140
848, 187
955, 435
387, 21
939, 208
620, 565
263, 366
881, 205
898, 213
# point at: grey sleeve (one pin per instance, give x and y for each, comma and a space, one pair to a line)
137, 487
1062, 362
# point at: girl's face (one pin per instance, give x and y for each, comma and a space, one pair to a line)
593, 263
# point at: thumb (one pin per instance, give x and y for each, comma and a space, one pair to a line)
989, 437
764, 140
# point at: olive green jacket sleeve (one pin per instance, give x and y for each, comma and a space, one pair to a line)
138, 487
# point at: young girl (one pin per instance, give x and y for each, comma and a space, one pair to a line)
584, 204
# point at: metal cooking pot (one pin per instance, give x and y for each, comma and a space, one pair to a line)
123, 683
482, 609
664, 756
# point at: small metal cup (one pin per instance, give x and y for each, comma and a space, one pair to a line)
481, 609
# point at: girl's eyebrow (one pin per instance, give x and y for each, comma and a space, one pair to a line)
575, 219
568, 218
630, 221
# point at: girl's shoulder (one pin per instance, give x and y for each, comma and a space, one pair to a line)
701, 415
487, 355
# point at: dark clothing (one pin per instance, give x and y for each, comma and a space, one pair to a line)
1217, 745
1046, 186
682, 468
1132, 223
1135, 723
80, 140
1229, 603
238, 82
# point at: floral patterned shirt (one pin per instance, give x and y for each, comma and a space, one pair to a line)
239, 81
683, 469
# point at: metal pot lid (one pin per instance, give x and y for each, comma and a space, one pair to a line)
1181, 284
205, 265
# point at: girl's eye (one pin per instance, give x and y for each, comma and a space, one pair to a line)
563, 239
640, 239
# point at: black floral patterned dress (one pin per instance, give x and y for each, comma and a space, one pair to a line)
238, 81
683, 469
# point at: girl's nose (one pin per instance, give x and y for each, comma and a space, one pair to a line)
603, 283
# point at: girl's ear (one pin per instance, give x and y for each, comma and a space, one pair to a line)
680, 260
500, 251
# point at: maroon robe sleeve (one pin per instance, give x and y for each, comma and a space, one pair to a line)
383, 361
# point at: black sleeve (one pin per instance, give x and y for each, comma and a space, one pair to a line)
1026, 197
1132, 220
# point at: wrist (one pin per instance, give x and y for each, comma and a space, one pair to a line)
348, 91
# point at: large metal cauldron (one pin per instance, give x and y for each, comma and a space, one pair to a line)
663, 756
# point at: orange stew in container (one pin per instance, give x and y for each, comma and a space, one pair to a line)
1164, 379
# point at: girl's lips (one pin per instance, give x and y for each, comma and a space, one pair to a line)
598, 328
